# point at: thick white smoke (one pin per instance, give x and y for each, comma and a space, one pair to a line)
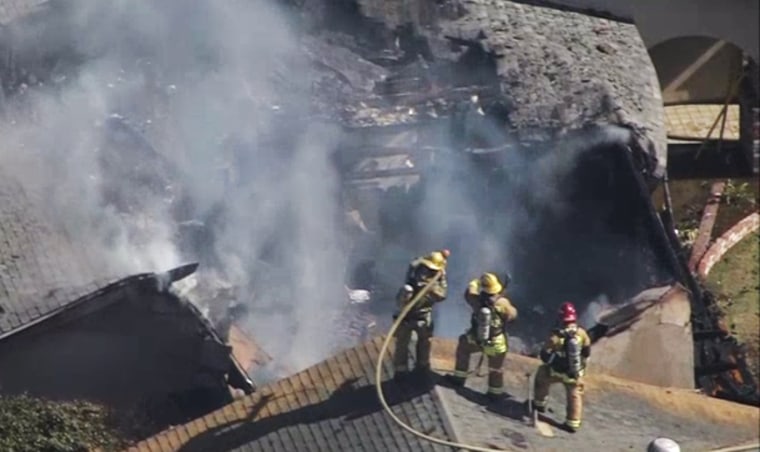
487, 232
208, 84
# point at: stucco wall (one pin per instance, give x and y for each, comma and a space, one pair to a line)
141, 346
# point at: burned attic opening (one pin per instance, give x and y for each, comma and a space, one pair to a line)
567, 223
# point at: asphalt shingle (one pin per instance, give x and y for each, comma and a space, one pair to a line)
330, 406
41, 270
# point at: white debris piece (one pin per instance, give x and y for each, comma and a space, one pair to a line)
359, 296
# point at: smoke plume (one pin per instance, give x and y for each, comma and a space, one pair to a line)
165, 132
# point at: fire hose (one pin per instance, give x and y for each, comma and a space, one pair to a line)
379, 372
379, 387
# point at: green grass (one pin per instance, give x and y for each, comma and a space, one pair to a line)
736, 282
29, 424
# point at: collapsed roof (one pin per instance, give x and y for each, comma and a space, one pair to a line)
539, 71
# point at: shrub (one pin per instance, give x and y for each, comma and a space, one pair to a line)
29, 424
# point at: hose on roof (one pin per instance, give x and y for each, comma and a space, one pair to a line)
379, 373
432, 439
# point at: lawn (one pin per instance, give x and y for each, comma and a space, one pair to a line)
736, 282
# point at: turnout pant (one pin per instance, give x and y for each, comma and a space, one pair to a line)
424, 330
545, 377
494, 354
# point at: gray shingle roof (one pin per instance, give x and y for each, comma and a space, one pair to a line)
331, 406
40, 268
616, 416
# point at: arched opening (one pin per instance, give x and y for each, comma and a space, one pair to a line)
709, 89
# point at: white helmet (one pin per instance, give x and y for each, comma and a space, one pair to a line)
663, 445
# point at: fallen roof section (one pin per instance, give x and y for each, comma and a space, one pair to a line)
649, 339
333, 406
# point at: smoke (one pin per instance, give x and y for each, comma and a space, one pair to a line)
164, 132
528, 215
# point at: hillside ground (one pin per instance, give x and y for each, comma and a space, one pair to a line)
736, 282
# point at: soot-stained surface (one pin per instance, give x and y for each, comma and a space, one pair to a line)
602, 241
583, 233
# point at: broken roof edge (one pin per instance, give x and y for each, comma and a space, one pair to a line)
98, 289
585, 10
162, 281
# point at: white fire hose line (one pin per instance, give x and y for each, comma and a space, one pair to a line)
379, 374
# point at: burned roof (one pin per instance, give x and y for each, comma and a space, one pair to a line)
330, 406
540, 71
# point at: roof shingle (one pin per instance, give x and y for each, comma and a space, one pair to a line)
330, 406
41, 270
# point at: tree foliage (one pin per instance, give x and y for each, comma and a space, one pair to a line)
29, 424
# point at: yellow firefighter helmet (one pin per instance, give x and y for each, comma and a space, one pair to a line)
490, 284
436, 260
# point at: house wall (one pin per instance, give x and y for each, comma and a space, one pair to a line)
142, 345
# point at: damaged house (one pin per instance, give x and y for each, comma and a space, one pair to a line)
126, 342
524, 138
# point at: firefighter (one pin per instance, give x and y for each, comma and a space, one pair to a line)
491, 311
420, 319
565, 355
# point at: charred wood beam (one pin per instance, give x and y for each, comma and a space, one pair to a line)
709, 334
711, 359
386, 151
728, 161
715, 368
377, 174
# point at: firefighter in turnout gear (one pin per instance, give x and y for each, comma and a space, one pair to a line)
491, 311
564, 355
420, 319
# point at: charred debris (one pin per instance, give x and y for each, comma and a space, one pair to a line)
428, 93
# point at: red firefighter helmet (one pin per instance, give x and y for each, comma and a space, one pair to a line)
567, 312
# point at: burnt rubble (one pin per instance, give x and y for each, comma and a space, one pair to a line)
539, 71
